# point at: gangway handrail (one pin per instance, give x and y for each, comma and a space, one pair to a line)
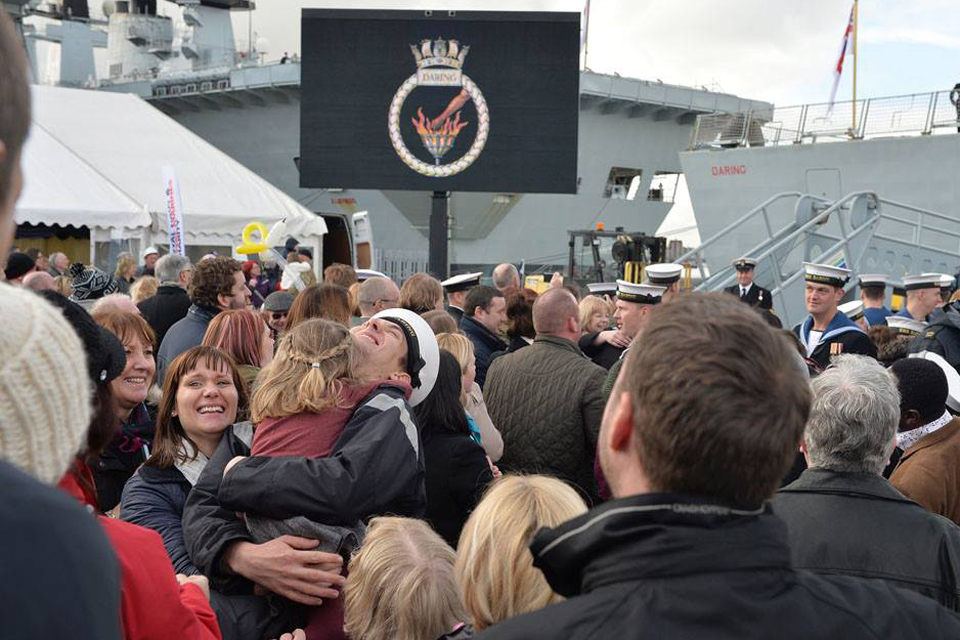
789, 237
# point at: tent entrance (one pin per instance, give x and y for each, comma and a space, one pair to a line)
70, 240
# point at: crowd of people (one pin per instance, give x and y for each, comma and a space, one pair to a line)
228, 450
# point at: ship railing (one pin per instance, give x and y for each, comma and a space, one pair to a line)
858, 216
909, 114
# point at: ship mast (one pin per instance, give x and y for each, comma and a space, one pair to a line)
856, 23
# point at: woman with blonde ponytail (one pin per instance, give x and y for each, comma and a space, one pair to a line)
308, 392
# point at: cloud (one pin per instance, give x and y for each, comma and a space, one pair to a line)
779, 51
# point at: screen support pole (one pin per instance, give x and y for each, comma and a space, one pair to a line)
439, 234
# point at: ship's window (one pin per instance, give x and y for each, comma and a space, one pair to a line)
663, 186
223, 84
190, 88
206, 86
175, 90
160, 91
622, 183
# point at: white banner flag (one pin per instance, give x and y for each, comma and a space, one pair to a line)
171, 195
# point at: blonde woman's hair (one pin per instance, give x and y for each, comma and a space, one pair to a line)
494, 567
462, 349
306, 375
145, 287
401, 584
124, 262
591, 305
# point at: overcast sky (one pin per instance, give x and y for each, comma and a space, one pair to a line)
777, 50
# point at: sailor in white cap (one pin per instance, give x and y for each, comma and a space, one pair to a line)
854, 311
457, 288
907, 327
634, 303
873, 288
947, 285
365, 274
665, 274
923, 295
826, 331
605, 290
942, 334
746, 289
149, 257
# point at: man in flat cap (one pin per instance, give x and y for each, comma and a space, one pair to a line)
826, 331
746, 289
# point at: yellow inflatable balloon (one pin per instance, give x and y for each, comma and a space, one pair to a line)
249, 246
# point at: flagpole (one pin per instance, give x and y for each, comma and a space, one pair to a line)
856, 23
586, 36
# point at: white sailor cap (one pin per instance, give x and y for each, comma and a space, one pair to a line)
946, 281
921, 281
826, 274
366, 274
852, 309
462, 282
646, 293
906, 326
148, 252
873, 280
953, 378
602, 288
745, 264
663, 274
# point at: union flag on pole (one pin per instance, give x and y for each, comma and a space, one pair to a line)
838, 68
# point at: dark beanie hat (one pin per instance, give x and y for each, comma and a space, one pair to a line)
305, 252
291, 244
18, 264
90, 283
105, 355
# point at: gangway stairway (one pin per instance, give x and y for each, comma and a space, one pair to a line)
861, 231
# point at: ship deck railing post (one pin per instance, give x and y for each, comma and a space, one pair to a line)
931, 112
864, 114
803, 124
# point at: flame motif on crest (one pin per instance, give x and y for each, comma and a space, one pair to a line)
440, 140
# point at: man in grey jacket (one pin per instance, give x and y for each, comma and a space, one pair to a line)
547, 399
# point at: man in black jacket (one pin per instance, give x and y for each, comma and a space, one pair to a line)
171, 302
842, 515
703, 423
376, 467
746, 289
484, 314
942, 335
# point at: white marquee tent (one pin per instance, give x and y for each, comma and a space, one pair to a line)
96, 159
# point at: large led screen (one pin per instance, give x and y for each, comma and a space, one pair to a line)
440, 100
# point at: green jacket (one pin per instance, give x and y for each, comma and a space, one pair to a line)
547, 401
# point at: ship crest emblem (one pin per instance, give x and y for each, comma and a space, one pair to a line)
440, 64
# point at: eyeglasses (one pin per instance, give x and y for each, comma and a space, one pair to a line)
276, 315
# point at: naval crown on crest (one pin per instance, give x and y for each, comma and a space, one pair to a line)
439, 53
